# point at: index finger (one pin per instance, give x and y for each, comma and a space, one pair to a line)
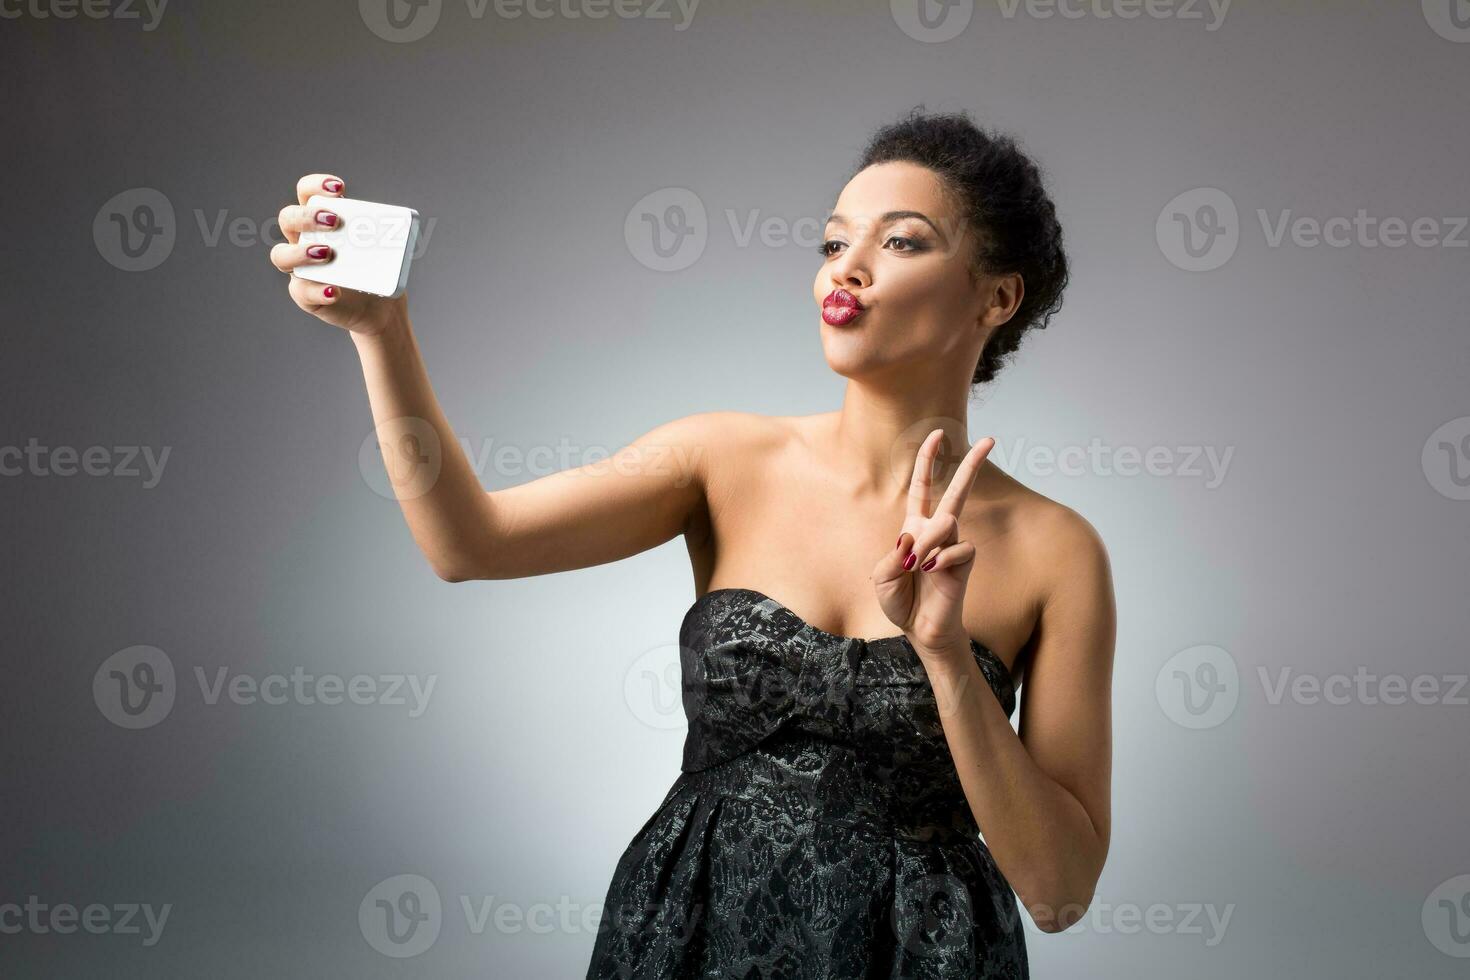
964, 478
318, 184
923, 477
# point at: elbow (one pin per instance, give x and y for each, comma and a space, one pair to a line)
1059, 916
1058, 903
456, 571
1059, 913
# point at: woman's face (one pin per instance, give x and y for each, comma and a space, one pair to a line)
895, 243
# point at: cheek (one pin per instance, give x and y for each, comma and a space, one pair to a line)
933, 320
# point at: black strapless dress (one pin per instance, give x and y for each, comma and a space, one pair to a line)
818, 828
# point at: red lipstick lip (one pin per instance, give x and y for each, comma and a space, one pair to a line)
841, 297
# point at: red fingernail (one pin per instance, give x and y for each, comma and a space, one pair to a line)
930, 563
334, 185
319, 251
908, 563
329, 292
326, 218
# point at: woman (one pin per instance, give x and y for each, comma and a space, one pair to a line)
836, 773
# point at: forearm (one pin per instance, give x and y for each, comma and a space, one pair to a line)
1042, 838
447, 508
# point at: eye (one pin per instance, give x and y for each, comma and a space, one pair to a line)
910, 245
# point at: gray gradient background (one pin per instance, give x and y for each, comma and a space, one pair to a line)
1323, 828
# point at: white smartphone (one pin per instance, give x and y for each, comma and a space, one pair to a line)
372, 245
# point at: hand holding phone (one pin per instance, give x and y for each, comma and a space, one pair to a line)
372, 245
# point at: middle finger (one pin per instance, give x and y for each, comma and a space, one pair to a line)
288, 256
296, 218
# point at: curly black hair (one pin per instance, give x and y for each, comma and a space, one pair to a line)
1000, 192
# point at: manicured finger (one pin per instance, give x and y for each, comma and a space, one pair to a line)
289, 256
955, 555
900, 558
964, 478
329, 184
294, 219
308, 293
921, 483
940, 531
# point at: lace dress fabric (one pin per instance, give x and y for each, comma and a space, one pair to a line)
817, 828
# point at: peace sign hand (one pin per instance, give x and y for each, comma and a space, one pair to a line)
921, 582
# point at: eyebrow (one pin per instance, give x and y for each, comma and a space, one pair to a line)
888, 217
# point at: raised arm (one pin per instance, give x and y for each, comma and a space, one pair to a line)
641, 496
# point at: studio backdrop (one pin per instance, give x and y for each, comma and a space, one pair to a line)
243, 718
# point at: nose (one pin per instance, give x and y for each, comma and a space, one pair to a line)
849, 269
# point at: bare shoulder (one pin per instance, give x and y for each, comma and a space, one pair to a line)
1055, 535
1056, 551
743, 437
1065, 542
705, 438
724, 448
1069, 572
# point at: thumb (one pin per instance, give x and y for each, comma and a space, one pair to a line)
891, 567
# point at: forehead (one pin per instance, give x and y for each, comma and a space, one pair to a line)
892, 186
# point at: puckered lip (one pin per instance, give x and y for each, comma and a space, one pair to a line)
841, 297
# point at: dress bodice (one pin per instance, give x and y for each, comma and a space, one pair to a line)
755, 672
818, 827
